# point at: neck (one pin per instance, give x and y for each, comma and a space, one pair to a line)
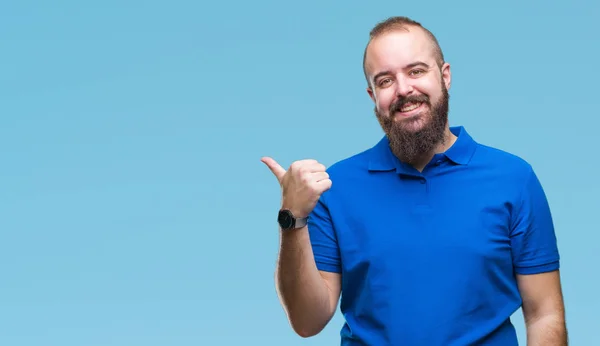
445, 144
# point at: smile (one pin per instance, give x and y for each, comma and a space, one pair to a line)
411, 109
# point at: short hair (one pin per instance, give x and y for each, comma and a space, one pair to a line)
401, 23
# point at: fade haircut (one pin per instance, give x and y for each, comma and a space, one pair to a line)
401, 23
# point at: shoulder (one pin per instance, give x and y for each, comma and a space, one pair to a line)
504, 162
349, 174
353, 164
359, 161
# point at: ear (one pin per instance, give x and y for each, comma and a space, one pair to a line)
446, 75
371, 93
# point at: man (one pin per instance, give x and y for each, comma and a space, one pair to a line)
430, 237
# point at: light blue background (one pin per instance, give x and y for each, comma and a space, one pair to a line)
134, 208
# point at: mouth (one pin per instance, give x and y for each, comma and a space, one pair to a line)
410, 108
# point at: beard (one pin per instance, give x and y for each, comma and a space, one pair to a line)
408, 142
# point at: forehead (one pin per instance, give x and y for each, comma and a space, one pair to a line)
397, 49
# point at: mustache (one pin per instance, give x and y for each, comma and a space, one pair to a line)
396, 106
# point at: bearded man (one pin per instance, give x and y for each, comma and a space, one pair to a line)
430, 237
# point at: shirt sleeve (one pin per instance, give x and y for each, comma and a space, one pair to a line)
323, 238
533, 238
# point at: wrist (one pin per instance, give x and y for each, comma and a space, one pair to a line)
296, 212
289, 220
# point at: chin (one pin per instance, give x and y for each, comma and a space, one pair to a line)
413, 123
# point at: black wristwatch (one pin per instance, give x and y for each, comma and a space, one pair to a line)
287, 221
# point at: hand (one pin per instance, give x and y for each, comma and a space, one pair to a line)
302, 184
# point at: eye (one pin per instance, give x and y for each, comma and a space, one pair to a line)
416, 73
384, 82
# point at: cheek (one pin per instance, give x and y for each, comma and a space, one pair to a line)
435, 96
384, 101
433, 91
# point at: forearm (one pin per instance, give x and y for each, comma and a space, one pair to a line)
548, 330
302, 291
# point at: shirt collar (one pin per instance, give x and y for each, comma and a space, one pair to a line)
382, 159
463, 149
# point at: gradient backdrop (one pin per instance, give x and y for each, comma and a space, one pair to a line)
134, 209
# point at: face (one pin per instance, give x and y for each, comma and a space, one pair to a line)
410, 91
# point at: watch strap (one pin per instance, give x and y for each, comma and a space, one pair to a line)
300, 222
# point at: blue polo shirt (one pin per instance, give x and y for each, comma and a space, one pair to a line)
430, 258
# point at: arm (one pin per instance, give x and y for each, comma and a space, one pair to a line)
543, 309
536, 262
308, 296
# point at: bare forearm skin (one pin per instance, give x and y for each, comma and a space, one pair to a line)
302, 291
549, 330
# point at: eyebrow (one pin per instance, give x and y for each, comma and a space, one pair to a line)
417, 63
411, 65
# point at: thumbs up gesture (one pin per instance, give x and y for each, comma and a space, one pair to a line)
302, 184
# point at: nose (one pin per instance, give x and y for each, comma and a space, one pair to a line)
403, 86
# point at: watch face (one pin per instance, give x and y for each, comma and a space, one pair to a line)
285, 219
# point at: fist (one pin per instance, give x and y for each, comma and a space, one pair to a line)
301, 185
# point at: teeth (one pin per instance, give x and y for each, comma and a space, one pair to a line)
410, 107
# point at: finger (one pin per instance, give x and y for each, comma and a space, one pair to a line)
318, 176
323, 185
318, 167
308, 166
307, 161
275, 168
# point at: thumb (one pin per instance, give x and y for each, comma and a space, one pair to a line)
277, 170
